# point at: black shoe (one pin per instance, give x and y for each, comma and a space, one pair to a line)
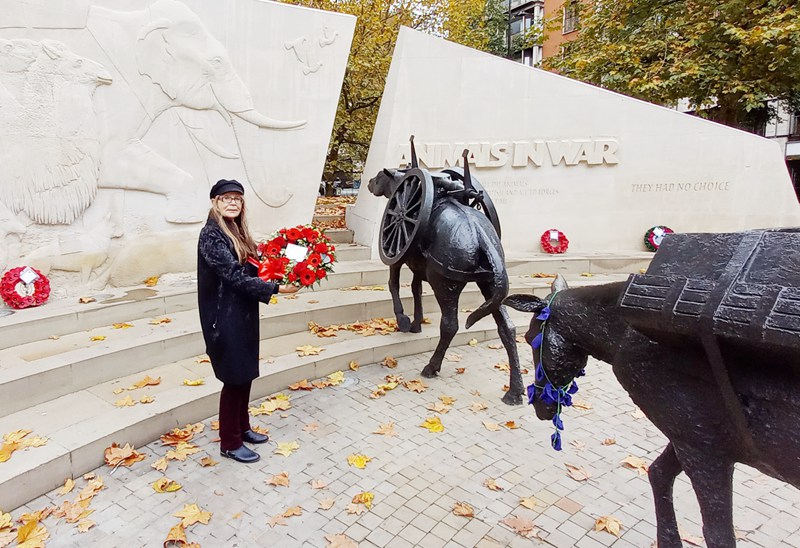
243, 454
254, 437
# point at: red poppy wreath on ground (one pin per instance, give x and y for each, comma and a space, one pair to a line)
654, 236
23, 287
302, 255
554, 241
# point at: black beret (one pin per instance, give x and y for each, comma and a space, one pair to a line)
223, 185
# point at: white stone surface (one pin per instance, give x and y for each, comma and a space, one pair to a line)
116, 118
603, 167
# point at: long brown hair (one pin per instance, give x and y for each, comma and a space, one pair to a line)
236, 229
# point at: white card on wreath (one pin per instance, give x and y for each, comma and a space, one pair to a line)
296, 253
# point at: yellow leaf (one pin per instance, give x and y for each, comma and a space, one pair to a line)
127, 401
124, 325
302, 385
203, 359
86, 300
415, 385
308, 350
438, 407
494, 346
84, 525
491, 484
522, 526
389, 362
32, 535
122, 456
587, 274
447, 400
151, 281
511, 425
69, 485
98, 338
635, 463
318, 484
502, 366
191, 514
453, 357
353, 365
608, 523
160, 321
356, 509
160, 464
279, 480
146, 381
433, 424
6, 522
276, 520
582, 405
286, 448
491, 426
576, 472
364, 498
273, 300
326, 504
609, 441
176, 536
336, 378
119, 391
528, 502
473, 342
147, 399
293, 511
208, 461
215, 425
165, 485
479, 406
386, 430
196, 382
182, 450
358, 460
460, 370
463, 509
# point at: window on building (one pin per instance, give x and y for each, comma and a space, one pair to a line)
571, 10
794, 127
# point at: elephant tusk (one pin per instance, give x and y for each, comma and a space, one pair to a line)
257, 119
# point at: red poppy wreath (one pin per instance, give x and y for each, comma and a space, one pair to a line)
302, 255
654, 237
551, 237
23, 287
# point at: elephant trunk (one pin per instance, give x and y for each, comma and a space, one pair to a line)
234, 97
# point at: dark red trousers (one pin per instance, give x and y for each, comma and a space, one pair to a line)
233, 417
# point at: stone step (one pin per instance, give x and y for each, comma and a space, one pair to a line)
48, 369
62, 317
80, 425
340, 236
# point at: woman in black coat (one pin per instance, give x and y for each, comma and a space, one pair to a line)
228, 293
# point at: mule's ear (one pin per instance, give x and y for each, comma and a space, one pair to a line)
560, 283
388, 173
524, 303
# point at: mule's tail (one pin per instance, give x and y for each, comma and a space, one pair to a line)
499, 284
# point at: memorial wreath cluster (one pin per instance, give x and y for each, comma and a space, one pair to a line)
17, 293
281, 261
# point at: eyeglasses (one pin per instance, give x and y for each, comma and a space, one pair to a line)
231, 199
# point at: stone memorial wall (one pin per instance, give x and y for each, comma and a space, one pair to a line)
556, 153
116, 118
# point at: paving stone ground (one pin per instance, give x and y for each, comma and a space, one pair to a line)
418, 476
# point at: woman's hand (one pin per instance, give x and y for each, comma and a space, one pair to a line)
288, 289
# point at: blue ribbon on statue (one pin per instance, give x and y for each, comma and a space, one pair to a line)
551, 394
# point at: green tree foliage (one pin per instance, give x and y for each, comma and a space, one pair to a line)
475, 23
727, 56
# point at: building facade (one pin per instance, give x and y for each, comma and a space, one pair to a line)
525, 23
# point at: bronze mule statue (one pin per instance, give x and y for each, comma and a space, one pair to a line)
457, 245
722, 389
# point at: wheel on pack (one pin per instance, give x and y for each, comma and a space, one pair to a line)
457, 173
407, 213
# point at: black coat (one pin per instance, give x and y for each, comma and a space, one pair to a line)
228, 294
